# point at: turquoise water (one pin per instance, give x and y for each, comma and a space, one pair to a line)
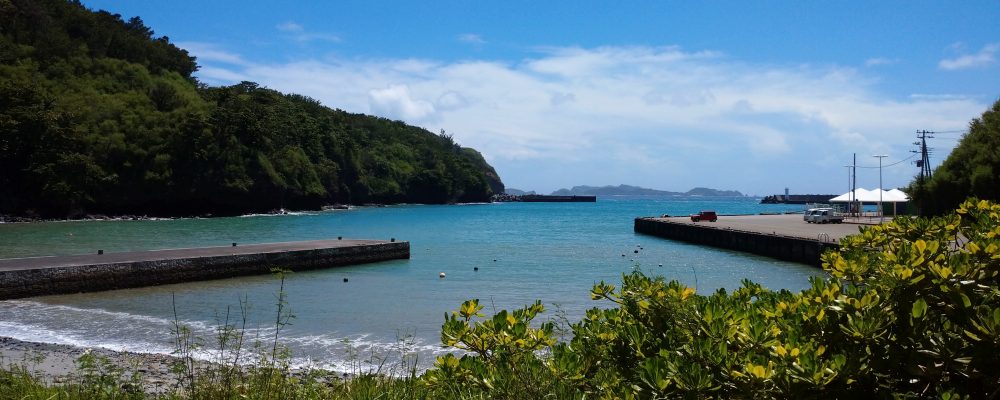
553, 252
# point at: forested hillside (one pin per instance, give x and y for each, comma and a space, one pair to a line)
98, 115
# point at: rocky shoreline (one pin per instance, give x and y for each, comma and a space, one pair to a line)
56, 364
59, 364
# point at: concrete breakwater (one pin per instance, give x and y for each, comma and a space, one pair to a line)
38, 276
790, 245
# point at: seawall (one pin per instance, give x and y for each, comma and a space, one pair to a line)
38, 276
784, 247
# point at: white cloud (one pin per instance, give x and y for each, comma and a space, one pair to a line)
593, 109
299, 33
877, 61
208, 53
985, 57
561, 98
395, 102
290, 27
471, 38
451, 101
214, 74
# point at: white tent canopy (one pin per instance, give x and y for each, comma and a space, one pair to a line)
872, 196
898, 196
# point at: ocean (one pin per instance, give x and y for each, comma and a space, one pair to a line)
388, 311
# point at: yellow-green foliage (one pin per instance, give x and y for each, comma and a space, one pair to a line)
910, 309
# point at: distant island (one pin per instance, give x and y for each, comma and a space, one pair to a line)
627, 190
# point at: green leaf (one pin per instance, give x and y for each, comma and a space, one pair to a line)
919, 308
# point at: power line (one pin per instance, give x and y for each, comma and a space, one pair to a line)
889, 165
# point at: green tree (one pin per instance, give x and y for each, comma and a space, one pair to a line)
972, 169
100, 115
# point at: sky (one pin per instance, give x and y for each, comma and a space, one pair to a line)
670, 95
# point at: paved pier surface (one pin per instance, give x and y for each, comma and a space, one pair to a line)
784, 224
38, 276
785, 237
15, 264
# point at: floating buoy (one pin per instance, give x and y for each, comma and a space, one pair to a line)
345, 279
476, 269
635, 251
494, 260
623, 254
659, 265
441, 275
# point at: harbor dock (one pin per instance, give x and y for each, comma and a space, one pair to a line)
786, 236
38, 276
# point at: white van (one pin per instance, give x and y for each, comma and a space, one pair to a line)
809, 214
823, 216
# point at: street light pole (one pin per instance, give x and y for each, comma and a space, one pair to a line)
881, 215
850, 190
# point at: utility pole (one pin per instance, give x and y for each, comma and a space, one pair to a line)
925, 159
849, 187
881, 215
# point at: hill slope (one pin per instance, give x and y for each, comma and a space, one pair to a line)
98, 115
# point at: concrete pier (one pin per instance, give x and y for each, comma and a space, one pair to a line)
37, 276
785, 237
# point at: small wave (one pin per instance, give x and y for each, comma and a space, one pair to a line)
285, 214
27, 307
32, 321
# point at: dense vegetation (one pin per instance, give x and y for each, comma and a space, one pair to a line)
98, 115
910, 309
972, 169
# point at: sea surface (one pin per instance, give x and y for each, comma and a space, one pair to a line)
385, 312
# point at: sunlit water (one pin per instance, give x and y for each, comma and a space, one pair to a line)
553, 252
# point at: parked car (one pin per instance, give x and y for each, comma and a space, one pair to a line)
825, 216
811, 213
705, 215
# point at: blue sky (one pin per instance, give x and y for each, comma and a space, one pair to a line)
749, 96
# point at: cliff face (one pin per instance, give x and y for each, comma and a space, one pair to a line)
97, 115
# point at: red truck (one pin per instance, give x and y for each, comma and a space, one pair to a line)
705, 215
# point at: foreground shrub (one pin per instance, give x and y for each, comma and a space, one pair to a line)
910, 309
